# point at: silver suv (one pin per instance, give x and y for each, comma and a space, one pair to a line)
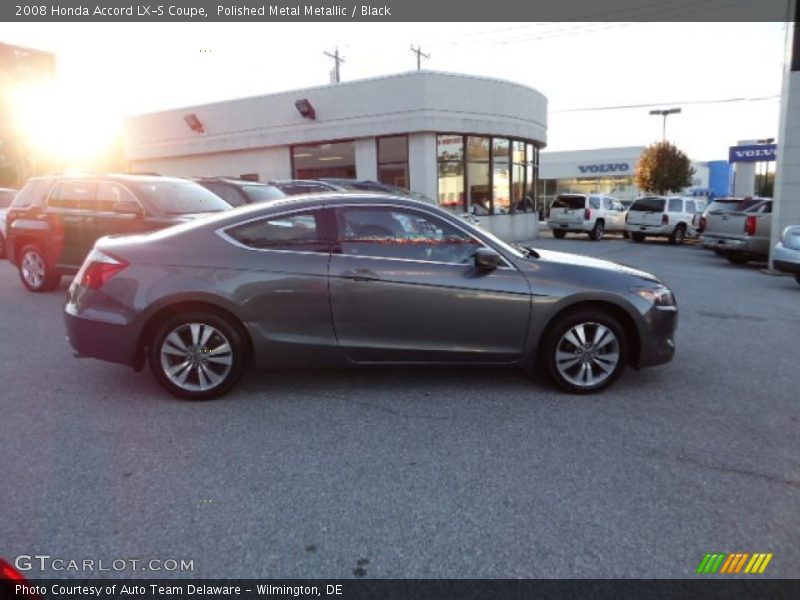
593, 214
673, 217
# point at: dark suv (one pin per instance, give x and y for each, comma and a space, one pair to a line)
238, 192
54, 221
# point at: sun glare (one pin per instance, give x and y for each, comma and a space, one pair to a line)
61, 124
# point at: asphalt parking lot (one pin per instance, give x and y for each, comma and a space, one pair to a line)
418, 472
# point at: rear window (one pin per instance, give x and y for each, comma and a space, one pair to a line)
262, 193
572, 202
648, 205
33, 193
675, 205
180, 197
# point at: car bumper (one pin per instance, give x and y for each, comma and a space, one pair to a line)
648, 229
658, 343
786, 259
101, 333
584, 226
726, 244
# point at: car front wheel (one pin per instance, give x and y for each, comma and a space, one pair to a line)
197, 356
678, 235
585, 351
35, 271
797, 278
597, 233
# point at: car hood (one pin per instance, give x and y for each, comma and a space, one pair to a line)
579, 260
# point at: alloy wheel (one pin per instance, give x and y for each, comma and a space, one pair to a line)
196, 357
587, 354
33, 269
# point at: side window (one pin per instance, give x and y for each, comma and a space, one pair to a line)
594, 202
690, 207
227, 193
301, 231
108, 194
33, 193
77, 194
675, 205
766, 208
386, 232
608, 204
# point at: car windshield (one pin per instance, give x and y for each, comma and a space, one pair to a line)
262, 193
648, 205
570, 202
180, 197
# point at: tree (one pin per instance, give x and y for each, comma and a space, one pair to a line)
662, 168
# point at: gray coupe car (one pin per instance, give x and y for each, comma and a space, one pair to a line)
339, 279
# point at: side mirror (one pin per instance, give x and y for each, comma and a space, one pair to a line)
127, 207
486, 259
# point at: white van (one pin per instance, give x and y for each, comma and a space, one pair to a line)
593, 214
673, 217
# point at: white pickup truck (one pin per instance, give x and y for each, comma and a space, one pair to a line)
741, 236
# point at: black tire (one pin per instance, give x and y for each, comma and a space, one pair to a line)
718, 252
678, 235
35, 270
555, 342
559, 234
196, 357
737, 258
797, 278
625, 235
637, 237
596, 234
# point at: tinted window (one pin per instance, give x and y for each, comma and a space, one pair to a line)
648, 205
764, 208
690, 208
594, 202
262, 193
405, 234
33, 192
77, 194
109, 194
570, 202
180, 197
675, 205
294, 189
300, 231
608, 204
227, 192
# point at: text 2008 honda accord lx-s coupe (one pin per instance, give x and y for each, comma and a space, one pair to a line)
350, 279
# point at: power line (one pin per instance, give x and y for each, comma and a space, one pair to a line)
337, 59
694, 102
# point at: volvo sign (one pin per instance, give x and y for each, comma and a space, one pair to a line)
605, 168
759, 153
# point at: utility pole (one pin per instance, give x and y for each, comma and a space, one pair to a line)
338, 60
420, 55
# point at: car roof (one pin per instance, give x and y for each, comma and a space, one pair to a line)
231, 180
129, 177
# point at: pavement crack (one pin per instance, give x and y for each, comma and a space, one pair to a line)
725, 469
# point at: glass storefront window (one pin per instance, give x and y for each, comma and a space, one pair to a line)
315, 161
500, 150
451, 186
501, 188
479, 196
450, 147
517, 152
393, 161
395, 174
478, 148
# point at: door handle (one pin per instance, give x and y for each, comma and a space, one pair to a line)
361, 275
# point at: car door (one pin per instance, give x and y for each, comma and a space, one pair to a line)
403, 287
282, 289
70, 213
119, 212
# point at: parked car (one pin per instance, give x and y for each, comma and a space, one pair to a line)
366, 185
358, 279
741, 235
592, 214
6, 196
238, 192
721, 205
296, 187
786, 255
54, 220
672, 217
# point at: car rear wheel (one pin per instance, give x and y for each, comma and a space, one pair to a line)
637, 237
585, 351
597, 232
797, 278
559, 234
678, 235
718, 252
737, 258
197, 356
35, 271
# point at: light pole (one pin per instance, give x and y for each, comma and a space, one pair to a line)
665, 113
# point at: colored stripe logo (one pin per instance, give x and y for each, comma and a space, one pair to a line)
738, 562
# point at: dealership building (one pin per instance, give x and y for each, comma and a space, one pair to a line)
608, 171
469, 144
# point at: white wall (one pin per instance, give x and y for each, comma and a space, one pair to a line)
366, 159
269, 163
422, 168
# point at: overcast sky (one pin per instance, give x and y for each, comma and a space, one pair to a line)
118, 69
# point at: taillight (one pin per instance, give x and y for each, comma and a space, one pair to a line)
702, 226
750, 225
98, 268
665, 219
9, 577
587, 215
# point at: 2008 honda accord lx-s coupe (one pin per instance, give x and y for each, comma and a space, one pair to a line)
351, 279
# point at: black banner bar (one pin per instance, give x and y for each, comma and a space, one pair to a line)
149, 11
705, 588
